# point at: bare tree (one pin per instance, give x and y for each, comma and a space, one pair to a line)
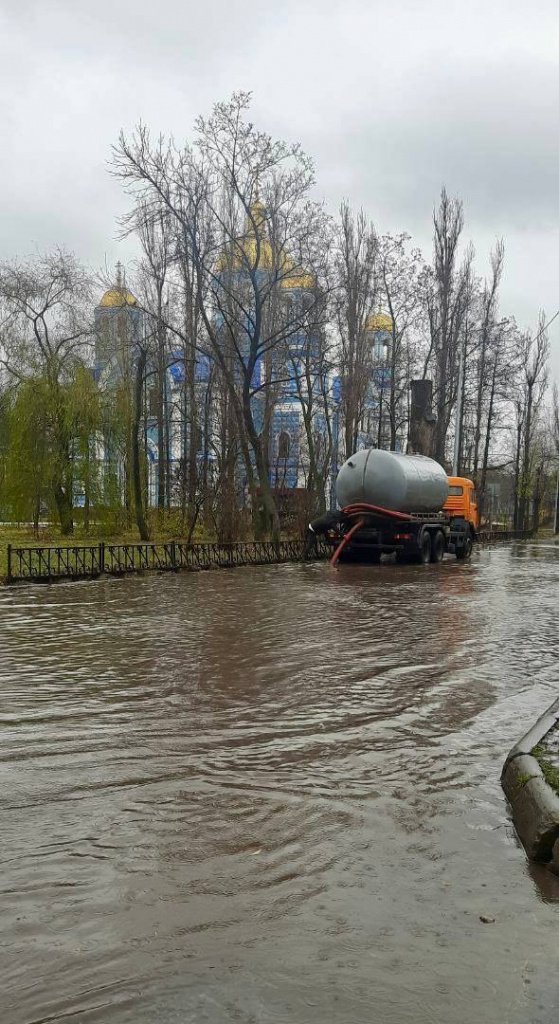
499, 370
447, 289
157, 241
355, 259
240, 202
555, 435
486, 354
311, 374
534, 356
399, 271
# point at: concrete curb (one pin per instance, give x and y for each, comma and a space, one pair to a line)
534, 804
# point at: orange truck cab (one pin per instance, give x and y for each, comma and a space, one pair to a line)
461, 500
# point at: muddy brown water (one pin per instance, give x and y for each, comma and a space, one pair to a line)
272, 794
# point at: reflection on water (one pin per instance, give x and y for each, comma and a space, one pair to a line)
272, 794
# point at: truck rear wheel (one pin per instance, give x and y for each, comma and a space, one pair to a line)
437, 546
466, 549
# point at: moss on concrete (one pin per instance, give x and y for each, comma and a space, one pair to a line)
548, 767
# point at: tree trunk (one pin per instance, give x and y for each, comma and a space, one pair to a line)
62, 482
135, 446
36, 515
525, 474
193, 432
537, 497
267, 510
167, 419
64, 509
517, 476
485, 461
161, 453
379, 432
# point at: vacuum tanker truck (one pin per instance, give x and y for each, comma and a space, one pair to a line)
402, 504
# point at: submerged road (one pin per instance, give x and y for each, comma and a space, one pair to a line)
272, 794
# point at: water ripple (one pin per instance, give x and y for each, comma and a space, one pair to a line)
273, 794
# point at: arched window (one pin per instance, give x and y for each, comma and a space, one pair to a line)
380, 348
284, 443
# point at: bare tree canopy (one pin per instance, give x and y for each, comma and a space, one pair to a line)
256, 343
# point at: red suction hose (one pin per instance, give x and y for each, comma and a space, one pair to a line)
345, 540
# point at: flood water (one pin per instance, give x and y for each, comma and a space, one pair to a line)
272, 795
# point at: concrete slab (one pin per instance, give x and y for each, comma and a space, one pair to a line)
534, 735
534, 805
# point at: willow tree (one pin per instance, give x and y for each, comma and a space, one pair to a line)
239, 202
25, 489
4, 443
31, 453
45, 330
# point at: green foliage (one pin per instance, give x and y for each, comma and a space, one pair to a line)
49, 434
25, 485
4, 446
524, 779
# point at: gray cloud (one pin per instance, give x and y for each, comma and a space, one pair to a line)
392, 97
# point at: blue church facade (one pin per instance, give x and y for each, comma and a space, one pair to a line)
120, 327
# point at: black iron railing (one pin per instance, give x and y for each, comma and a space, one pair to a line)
89, 561
56, 562
490, 536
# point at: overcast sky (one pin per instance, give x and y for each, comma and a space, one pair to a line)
391, 97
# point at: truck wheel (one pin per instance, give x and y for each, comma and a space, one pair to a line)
466, 550
437, 546
424, 549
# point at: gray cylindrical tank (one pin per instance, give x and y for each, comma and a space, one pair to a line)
403, 483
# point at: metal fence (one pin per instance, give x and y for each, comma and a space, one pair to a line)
89, 561
491, 536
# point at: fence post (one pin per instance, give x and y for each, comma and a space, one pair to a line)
173, 555
9, 562
102, 556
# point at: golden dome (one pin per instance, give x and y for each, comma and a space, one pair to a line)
379, 322
115, 297
258, 212
242, 251
304, 281
295, 277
